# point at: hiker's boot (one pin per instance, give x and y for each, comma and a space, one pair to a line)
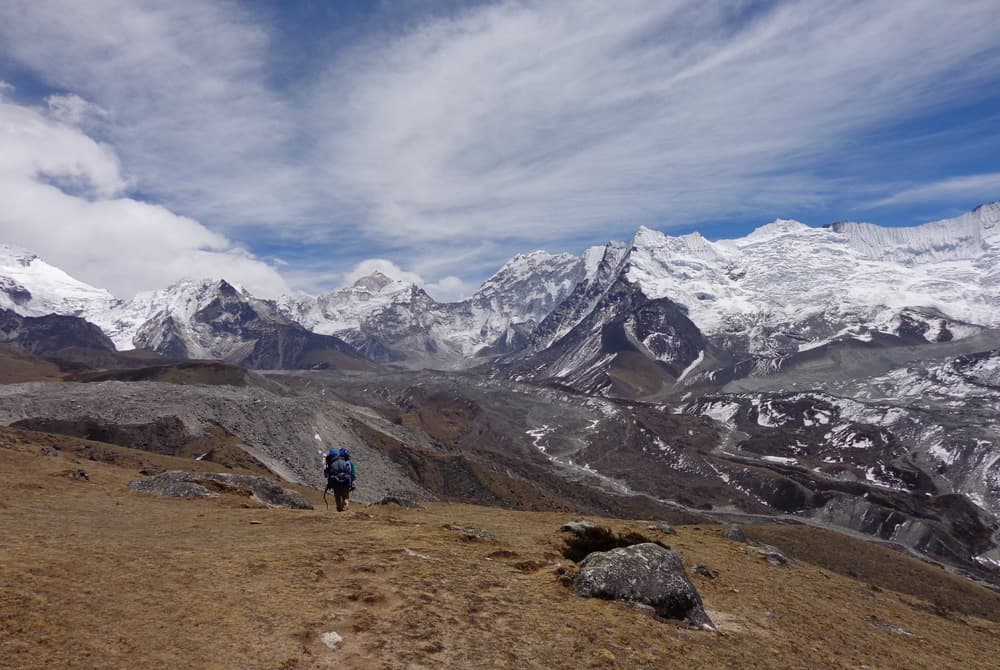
347, 504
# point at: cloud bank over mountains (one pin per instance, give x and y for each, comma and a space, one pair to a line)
169, 139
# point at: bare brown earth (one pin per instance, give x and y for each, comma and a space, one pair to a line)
96, 577
17, 366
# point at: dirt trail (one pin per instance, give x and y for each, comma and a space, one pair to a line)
96, 577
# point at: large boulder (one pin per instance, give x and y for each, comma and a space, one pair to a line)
644, 574
180, 484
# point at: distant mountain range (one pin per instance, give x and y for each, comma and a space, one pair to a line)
848, 374
632, 319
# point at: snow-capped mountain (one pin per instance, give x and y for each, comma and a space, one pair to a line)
760, 300
347, 308
695, 310
31, 287
397, 321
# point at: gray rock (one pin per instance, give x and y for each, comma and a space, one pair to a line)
884, 625
643, 574
769, 554
704, 572
331, 639
405, 503
664, 528
180, 484
50, 451
735, 533
577, 526
472, 533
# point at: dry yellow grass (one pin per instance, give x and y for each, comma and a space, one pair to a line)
95, 577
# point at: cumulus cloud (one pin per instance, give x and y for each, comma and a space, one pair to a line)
93, 231
185, 85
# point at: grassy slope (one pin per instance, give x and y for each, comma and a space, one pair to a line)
94, 576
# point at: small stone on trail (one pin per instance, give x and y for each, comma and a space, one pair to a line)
402, 502
704, 572
899, 630
664, 528
331, 639
472, 533
770, 554
50, 451
735, 533
256, 523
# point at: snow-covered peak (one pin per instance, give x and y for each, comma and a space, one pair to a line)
950, 239
347, 308
787, 276
374, 282
32, 287
180, 301
989, 214
527, 288
653, 241
776, 228
527, 268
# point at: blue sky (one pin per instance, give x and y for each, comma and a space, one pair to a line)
297, 145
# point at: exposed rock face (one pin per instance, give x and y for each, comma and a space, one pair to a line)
50, 335
628, 345
645, 574
180, 484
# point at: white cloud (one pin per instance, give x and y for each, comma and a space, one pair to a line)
537, 121
97, 235
979, 188
449, 289
491, 130
73, 110
184, 84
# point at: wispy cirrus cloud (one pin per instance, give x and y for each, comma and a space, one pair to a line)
538, 122
976, 188
450, 140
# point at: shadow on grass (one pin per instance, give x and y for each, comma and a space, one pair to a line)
589, 540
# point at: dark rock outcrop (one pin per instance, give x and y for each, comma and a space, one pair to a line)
51, 335
644, 574
180, 484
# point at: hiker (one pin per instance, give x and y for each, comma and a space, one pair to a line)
339, 478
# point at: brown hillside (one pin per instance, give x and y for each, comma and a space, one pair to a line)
17, 366
96, 577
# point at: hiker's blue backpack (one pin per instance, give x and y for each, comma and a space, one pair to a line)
339, 473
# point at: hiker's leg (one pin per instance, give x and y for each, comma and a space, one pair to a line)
338, 496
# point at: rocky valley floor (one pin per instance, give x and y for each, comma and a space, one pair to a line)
96, 577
